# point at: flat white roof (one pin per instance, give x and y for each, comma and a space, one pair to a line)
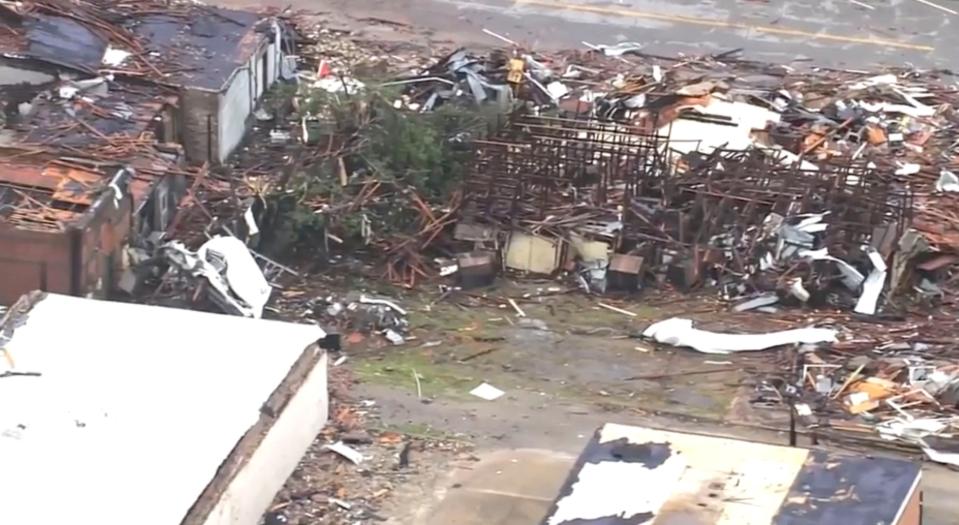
134, 409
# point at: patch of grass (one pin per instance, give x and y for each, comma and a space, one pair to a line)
396, 369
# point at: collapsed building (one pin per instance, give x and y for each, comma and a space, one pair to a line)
64, 225
151, 91
769, 182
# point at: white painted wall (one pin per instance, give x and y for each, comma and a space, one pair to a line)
240, 98
256, 484
233, 109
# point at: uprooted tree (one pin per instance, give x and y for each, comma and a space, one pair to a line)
370, 174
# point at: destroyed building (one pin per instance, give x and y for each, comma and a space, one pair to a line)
218, 62
226, 61
62, 225
140, 90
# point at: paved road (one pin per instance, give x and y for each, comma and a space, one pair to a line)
825, 32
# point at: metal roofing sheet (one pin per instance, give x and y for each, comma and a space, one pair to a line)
63, 41
208, 47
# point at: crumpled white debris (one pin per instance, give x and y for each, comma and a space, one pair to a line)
873, 285
918, 431
680, 332
243, 275
948, 181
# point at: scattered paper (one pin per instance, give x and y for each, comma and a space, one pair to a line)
680, 332
394, 337
349, 453
488, 392
908, 169
557, 90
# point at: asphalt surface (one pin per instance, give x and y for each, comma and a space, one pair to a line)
835, 33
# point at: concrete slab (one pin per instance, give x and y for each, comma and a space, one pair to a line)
506, 487
477, 508
533, 474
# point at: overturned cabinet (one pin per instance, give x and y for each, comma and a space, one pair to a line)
477, 269
155, 415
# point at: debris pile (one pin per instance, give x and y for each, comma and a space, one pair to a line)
352, 469
905, 391
823, 187
365, 315
776, 186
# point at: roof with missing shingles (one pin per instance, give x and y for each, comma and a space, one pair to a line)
186, 45
207, 47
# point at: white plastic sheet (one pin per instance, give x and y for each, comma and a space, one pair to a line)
488, 392
680, 332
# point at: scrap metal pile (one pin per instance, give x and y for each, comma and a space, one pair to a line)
775, 185
820, 188
814, 187
903, 387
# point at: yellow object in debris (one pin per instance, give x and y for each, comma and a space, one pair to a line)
515, 69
